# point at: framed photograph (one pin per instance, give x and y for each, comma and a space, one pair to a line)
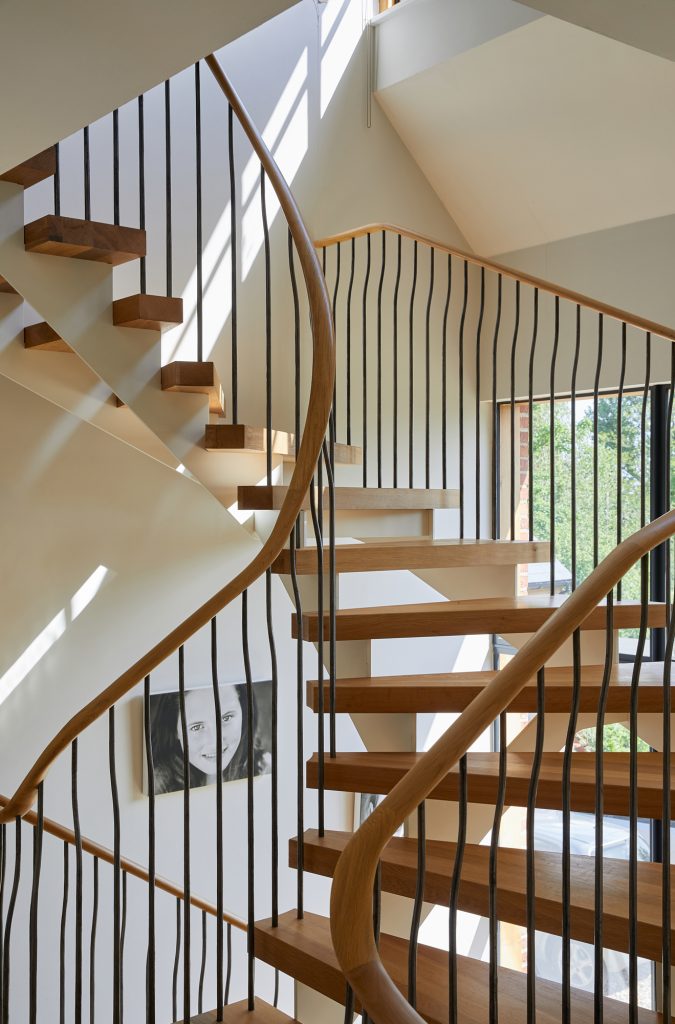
364, 805
166, 736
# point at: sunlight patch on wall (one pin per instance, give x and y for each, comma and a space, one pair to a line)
338, 50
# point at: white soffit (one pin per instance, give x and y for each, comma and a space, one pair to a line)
544, 133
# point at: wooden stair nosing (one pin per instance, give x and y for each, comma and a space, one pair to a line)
379, 772
147, 312
399, 864
240, 437
193, 377
500, 615
84, 239
42, 336
36, 168
454, 691
415, 553
239, 1013
262, 498
303, 949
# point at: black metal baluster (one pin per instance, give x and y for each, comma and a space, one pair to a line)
3, 869
643, 431
568, 754
492, 882
57, 180
596, 468
202, 969
552, 448
530, 857
329, 460
349, 342
666, 813
300, 716
573, 448
6, 960
275, 750
87, 173
598, 993
479, 337
364, 365
411, 370
250, 806
427, 374
453, 903
117, 868
619, 449
444, 381
397, 285
460, 403
379, 359
78, 884
116, 166
495, 416
176, 963
338, 261
141, 185
417, 906
530, 408
150, 770
313, 504
219, 820
198, 168
62, 936
349, 1006
228, 976
38, 832
234, 249
123, 935
167, 170
92, 945
512, 410
268, 325
185, 739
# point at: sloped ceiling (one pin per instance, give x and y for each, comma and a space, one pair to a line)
543, 133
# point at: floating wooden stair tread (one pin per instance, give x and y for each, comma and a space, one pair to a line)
390, 499
462, 618
379, 772
454, 691
42, 336
416, 553
303, 949
399, 876
147, 312
37, 168
6, 288
238, 437
195, 378
239, 1013
84, 240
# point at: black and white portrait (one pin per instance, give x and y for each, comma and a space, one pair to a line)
167, 730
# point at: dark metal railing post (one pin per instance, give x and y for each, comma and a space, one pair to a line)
234, 268
150, 769
219, 820
199, 254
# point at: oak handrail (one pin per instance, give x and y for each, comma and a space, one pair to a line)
318, 411
614, 312
351, 896
129, 867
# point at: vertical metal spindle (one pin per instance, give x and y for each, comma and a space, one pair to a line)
596, 446
460, 403
530, 856
552, 448
141, 185
3, 869
38, 832
198, 169
92, 945
329, 460
268, 326
444, 381
62, 935
364, 363
202, 969
6, 961
598, 993
397, 284
123, 935
643, 431
234, 249
117, 869
318, 536
379, 359
167, 175
427, 374
300, 739
176, 963
349, 1006
228, 976
479, 337
666, 815
78, 884
494, 482
185, 740
512, 410
493, 922
116, 165
619, 448
275, 751
87, 173
338, 261
453, 903
411, 370
530, 409
349, 341
150, 770
573, 448
568, 754
250, 805
57, 180
219, 819
417, 906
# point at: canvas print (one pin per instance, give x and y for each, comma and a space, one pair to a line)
166, 735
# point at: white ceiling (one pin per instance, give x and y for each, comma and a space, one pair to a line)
544, 133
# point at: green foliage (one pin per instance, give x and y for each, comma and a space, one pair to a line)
616, 738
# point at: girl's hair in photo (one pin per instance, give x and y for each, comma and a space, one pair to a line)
167, 749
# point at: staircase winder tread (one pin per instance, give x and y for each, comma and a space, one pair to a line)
147, 312
84, 240
239, 437
36, 168
239, 1013
265, 498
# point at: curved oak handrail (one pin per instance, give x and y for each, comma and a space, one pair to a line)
129, 867
351, 896
614, 312
318, 411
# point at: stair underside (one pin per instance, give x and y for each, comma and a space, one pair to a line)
461, 618
238, 1013
42, 336
379, 773
399, 876
415, 553
31, 171
84, 240
147, 312
454, 691
195, 378
264, 499
303, 949
238, 437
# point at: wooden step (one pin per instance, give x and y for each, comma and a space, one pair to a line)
303, 949
416, 553
42, 336
353, 499
237, 437
195, 378
37, 168
6, 288
379, 773
462, 618
399, 876
239, 1013
84, 240
147, 312
454, 691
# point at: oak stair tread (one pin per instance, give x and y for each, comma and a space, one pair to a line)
462, 618
42, 336
378, 772
147, 312
84, 240
194, 377
399, 876
239, 437
36, 168
454, 691
415, 553
239, 1013
303, 949
265, 498
5, 287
